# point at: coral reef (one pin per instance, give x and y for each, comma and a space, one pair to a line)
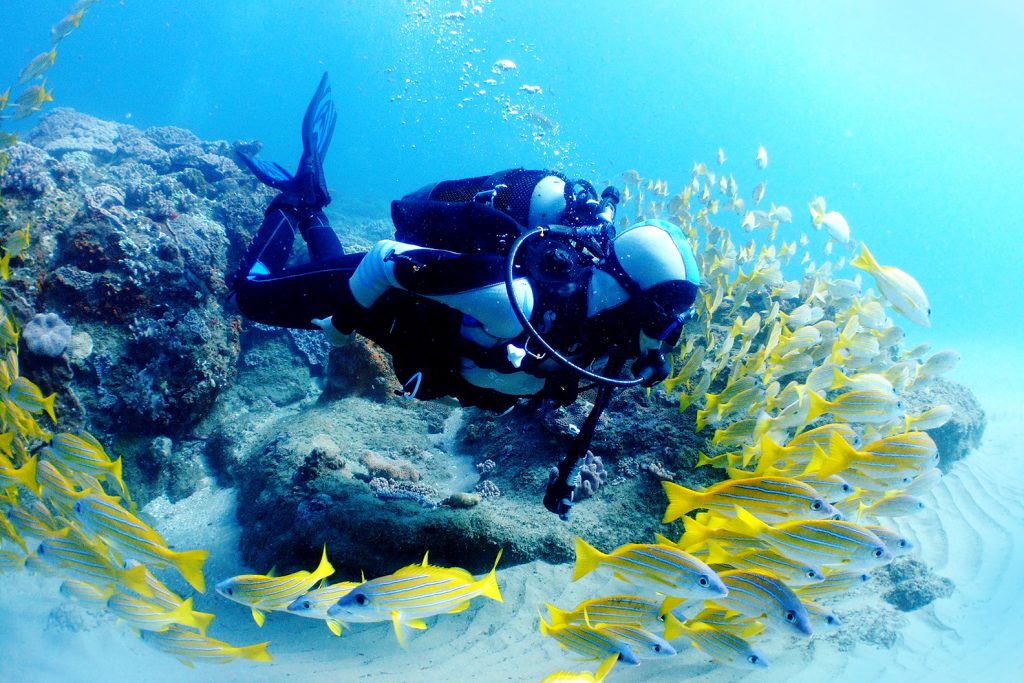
46, 335
962, 433
914, 585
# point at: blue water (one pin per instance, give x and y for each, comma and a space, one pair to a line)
905, 116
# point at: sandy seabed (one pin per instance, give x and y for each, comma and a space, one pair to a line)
971, 533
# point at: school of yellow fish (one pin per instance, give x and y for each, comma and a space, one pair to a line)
64, 508
798, 383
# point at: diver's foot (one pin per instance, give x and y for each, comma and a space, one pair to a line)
307, 188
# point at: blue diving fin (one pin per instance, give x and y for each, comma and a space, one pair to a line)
308, 186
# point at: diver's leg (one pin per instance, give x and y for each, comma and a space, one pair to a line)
293, 297
321, 241
271, 248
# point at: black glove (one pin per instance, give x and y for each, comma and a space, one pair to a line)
652, 366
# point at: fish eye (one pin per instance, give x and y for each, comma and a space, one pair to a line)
847, 488
703, 581
838, 517
830, 620
811, 574
229, 591
360, 599
878, 552
902, 543
657, 648
790, 615
306, 604
816, 505
753, 659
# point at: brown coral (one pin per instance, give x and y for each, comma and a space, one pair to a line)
389, 468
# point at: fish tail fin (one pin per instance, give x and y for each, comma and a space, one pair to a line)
838, 458
770, 454
48, 406
839, 379
325, 568
694, 533
717, 554
202, 621
558, 616
189, 564
587, 559
664, 540
489, 584
5, 267
673, 627
545, 629
183, 614
702, 419
116, 471
680, 501
746, 523
26, 475
257, 652
865, 261
818, 406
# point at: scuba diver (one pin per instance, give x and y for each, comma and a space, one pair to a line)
494, 288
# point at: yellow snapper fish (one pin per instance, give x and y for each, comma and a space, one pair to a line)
4, 97
835, 583
899, 288
590, 642
817, 541
87, 562
629, 610
314, 604
38, 66
933, 418
145, 615
414, 593
723, 620
890, 460
800, 451
583, 676
662, 568
85, 454
861, 406
137, 539
32, 100
771, 497
33, 518
720, 158
62, 28
761, 160
724, 647
643, 643
923, 482
755, 593
766, 561
26, 395
892, 504
262, 593
898, 544
189, 647
8, 531
822, 617
86, 592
